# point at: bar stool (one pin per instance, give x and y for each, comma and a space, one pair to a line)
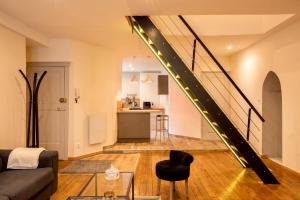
162, 120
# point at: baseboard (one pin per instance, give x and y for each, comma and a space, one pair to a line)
109, 146
189, 137
285, 167
85, 156
97, 153
264, 156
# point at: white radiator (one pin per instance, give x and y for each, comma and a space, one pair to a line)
97, 128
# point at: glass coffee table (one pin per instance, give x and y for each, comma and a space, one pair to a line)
98, 188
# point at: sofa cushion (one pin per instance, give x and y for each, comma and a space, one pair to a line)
171, 171
4, 197
24, 184
1, 165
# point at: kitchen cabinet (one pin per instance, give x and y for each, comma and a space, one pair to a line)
163, 84
133, 126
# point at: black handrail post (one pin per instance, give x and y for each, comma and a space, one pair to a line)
249, 121
221, 67
194, 53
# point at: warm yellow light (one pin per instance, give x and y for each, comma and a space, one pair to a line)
150, 42
141, 30
232, 187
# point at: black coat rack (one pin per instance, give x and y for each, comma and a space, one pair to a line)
33, 131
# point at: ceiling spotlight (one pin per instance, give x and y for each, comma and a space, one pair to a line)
229, 47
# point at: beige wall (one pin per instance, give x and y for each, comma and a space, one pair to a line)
12, 87
279, 53
96, 73
185, 119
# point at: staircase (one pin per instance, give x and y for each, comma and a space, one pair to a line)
232, 124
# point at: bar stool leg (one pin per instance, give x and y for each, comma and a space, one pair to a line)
171, 190
187, 188
158, 186
168, 122
163, 127
155, 128
160, 129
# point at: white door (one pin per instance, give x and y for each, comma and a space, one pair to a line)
52, 108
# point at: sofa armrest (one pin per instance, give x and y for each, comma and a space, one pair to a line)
46, 159
50, 159
4, 154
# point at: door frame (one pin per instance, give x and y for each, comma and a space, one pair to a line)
66, 66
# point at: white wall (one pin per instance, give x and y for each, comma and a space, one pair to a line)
22, 29
13, 91
129, 87
149, 90
96, 73
145, 91
279, 53
185, 119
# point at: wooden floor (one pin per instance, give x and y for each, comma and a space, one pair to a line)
71, 185
172, 143
214, 175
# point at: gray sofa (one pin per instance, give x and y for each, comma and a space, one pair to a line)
35, 184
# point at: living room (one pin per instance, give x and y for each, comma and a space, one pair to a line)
82, 46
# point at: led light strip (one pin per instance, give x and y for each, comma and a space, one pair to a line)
137, 30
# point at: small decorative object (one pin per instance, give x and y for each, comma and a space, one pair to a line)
109, 195
112, 173
33, 110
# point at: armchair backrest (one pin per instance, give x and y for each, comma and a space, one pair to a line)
181, 157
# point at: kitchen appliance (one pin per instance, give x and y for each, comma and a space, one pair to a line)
147, 105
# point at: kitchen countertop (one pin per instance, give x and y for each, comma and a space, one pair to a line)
154, 110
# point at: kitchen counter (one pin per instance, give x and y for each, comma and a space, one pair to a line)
135, 125
155, 110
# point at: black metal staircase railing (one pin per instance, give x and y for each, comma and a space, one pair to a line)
221, 85
203, 101
221, 68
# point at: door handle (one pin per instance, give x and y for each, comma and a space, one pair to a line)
62, 100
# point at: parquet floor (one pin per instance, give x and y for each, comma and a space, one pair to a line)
172, 143
215, 175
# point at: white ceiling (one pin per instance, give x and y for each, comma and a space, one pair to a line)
102, 22
220, 25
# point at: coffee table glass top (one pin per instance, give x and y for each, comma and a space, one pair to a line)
98, 187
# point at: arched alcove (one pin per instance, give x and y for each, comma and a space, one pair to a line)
272, 112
